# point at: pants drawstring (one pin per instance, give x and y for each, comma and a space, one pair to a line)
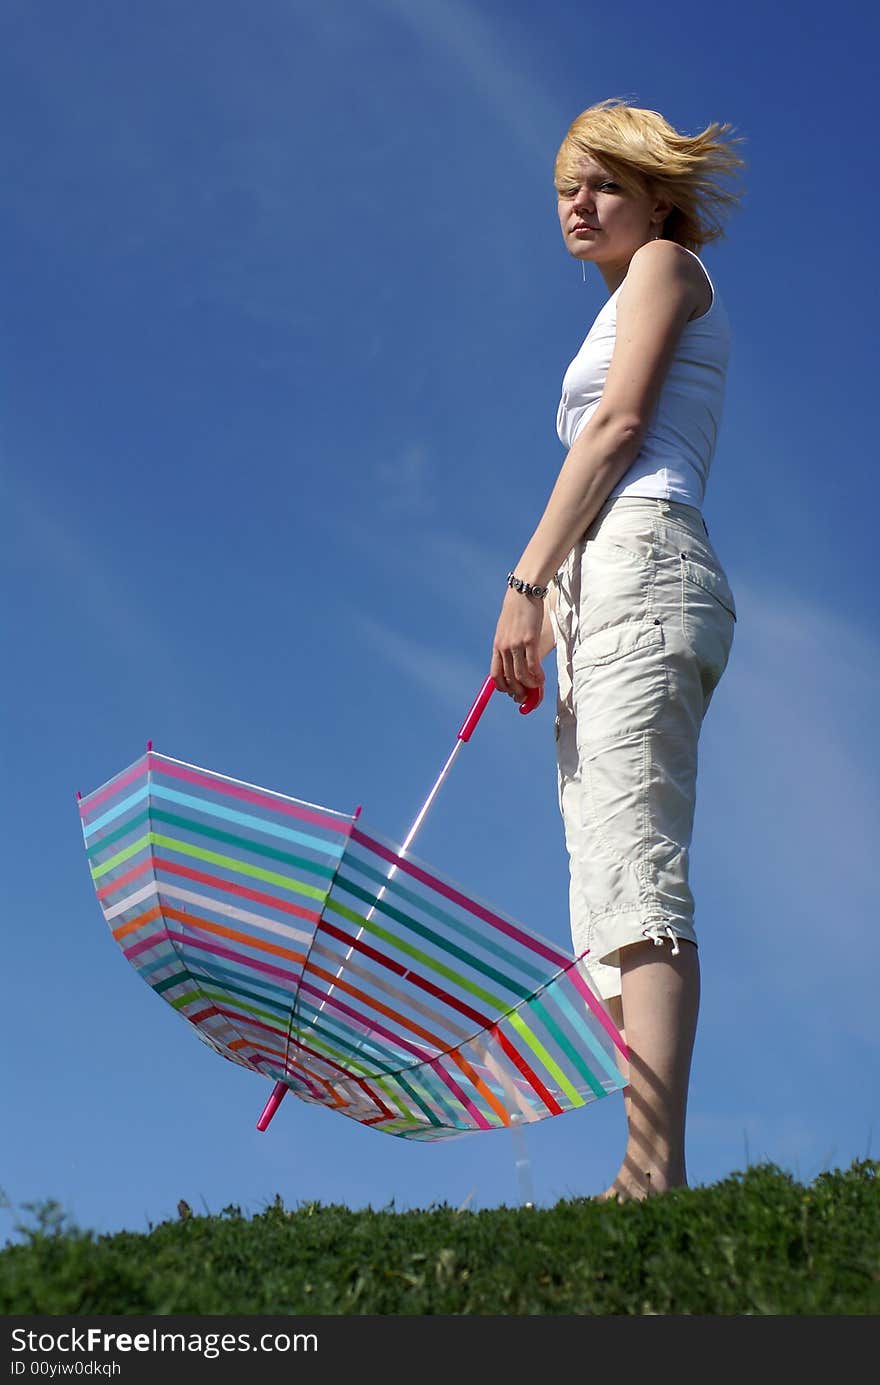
654, 930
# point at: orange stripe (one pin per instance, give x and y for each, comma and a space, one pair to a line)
328, 1062
311, 1079
377, 1101
264, 1048
487, 1095
232, 935
218, 929
133, 924
531, 1077
284, 906
372, 1003
338, 1101
243, 891
422, 1033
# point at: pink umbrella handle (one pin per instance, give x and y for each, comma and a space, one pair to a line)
481, 701
272, 1105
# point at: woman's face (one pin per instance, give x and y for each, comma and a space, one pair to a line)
601, 222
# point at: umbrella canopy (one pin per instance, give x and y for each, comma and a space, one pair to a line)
306, 947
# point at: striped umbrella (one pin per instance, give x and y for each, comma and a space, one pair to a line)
303, 945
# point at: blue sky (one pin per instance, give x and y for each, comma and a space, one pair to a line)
286, 312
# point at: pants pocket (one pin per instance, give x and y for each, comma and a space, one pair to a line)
708, 618
620, 680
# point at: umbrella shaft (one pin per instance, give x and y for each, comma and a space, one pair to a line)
410, 837
430, 799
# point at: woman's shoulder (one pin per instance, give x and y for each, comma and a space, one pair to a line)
665, 258
665, 261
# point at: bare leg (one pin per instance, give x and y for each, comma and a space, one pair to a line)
657, 1012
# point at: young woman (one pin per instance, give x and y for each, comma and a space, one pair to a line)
621, 576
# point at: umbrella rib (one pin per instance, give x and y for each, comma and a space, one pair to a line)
410, 837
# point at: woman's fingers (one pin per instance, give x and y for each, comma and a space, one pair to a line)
504, 674
516, 665
518, 673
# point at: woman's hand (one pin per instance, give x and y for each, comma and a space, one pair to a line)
518, 646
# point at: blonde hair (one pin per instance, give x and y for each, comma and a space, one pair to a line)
645, 153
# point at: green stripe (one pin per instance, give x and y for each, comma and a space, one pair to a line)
217, 834
394, 1099
179, 1002
440, 1095
121, 856
430, 1083
430, 962
248, 1009
382, 1082
120, 832
213, 858
414, 1096
278, 1006
548, 1061
160, 986
436, 938
330, 1043
482, 938
568, 1048
390, 1074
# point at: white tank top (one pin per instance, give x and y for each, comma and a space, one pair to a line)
680, 442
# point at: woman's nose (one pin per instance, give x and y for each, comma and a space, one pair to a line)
583, 197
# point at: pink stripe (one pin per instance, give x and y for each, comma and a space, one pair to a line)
534, 944
423, 1054
298, 1076
456, 1091
322, 1058
152, 761
201, 877
260, 800
385, 1112
152, 941
596, 1006
122, 880
115, 786
246, 962
245, 1021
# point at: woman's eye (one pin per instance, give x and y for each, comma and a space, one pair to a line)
573, 191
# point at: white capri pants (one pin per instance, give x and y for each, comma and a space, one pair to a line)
644, 620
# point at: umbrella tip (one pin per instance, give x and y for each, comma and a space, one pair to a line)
78, 796
272, 1105
149, 745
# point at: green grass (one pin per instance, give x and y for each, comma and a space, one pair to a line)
758, 1242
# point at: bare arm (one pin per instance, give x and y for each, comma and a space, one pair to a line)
548, 634
662, 288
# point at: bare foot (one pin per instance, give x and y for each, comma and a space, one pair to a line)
632, 1187
618, 1192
